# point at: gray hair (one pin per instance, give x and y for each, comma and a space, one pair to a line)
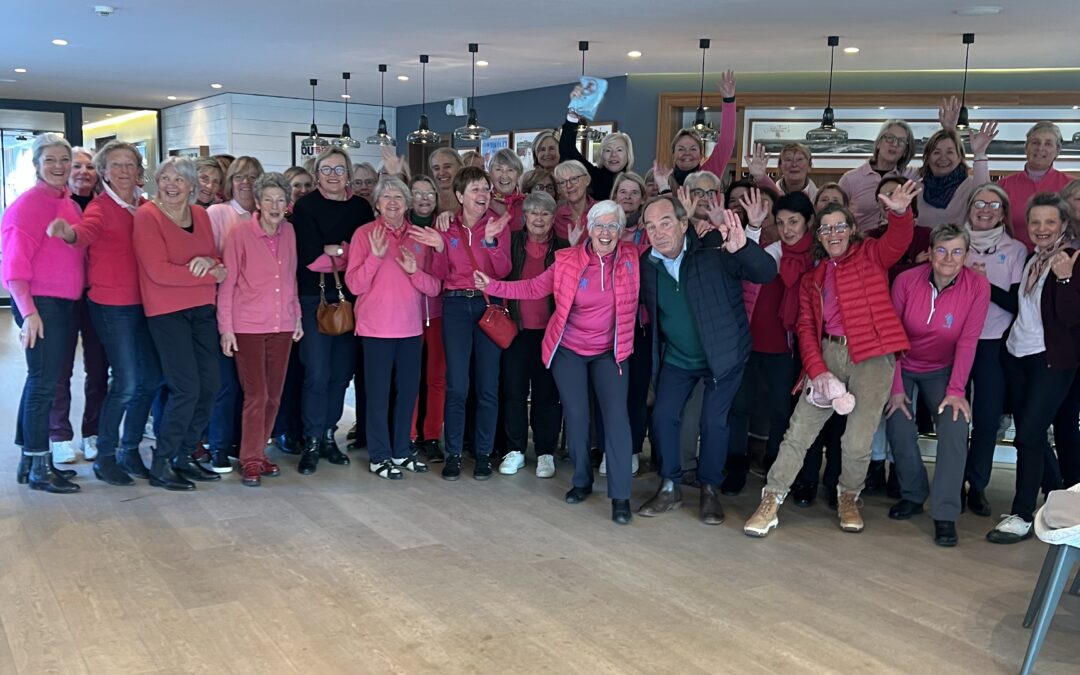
909, 149
1045, 125
327, 154
508, 158
271, 179
1054, 200
1000, 193
695, 179
538, 201
570, 167
950, 231
625, 138
449, 152
392, 183
47, 140
365, 165
102, 157
185, 168
80, 150
606, 208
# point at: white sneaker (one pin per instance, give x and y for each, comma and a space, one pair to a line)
634, 465
545, 466
63, 452
89, 448
603, 465
1010, 530
148, 430
512, 462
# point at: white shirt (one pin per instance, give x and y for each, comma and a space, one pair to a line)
1027, 337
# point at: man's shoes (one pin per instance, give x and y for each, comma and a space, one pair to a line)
108, 471
191, 470
309, 458
513, 462
329, 450
945, 533
709, 510
132, 463
576, 495
765, 518
620, 511
288, 444
219, 461
904, 509
848, 511
668, 497
434, 452
1011, 530
545, 466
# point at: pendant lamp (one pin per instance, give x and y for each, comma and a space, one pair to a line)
314, 142
828, 133
472, 131
706, 131
346, 140
962, 118
380, 137
423, 135
584, 131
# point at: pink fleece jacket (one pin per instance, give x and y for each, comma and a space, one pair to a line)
1021, 187
258, 295
943, 327
453, 265
34, 263
389, 302
720, 157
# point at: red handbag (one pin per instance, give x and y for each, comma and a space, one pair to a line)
496, 321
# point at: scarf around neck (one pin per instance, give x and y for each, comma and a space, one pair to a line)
938, 191
795, 260
985, 241
1042, 262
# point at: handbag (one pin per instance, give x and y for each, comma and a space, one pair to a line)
336, 318
496, 321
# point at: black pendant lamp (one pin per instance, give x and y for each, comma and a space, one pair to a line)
827, 132
380, 137
962, 118
346, 140
703, 129
314, 141
423, 135
584, 131
472, 131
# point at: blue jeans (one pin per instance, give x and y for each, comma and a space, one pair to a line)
43, 365
136, 374
464, 340
674, 386
329, 362
390, 364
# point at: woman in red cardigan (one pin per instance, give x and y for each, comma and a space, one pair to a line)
848, 337
179, 270
589, 338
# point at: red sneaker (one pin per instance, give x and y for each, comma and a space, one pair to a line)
253, 474
269, 469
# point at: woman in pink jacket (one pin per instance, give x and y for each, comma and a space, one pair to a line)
589, 338
258, 315
45, 277
387, 273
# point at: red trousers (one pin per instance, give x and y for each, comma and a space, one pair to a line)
434, 380
261, 362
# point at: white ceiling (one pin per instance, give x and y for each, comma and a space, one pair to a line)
152, 49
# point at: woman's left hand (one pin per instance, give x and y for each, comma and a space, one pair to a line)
33, 329
407, 260
480, 280
981, 139
1063, 264
495, 226
428, 236
757, 162
727, 84
391, 163
298, 332
959, 405
228, 344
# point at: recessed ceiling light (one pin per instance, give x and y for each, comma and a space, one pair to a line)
403, 78
215, 85
20, 70
171, 98
634, 54
60, 42
791, 107
481, 64
346, 96
851, 50
881, 107
978, 10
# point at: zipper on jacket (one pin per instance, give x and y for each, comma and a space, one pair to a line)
933, 301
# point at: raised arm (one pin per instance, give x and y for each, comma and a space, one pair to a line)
536, 288
366, 254
720, 157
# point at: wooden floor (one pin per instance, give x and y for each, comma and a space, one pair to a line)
343, 573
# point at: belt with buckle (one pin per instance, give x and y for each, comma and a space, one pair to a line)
837, 339
463, 293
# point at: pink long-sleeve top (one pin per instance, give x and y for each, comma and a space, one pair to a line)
564, 218
33, 263
1021, 187
861, 184
453, 265
942, 326
224, 217
105, 231
389, 301
258, 294
163, 250
720, 157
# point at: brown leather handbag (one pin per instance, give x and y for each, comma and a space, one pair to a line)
336, 318
496, 322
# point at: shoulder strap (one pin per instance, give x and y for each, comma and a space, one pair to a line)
472, 259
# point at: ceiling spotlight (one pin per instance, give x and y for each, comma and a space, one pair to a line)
20, 70
851, 50
881, 107
170, 98
634, 54
403, 78
481, 64
60, 42
215, 85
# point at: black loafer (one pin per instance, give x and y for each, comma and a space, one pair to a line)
193, 471
576, 495
945, 533
620, 511
977, 502
904, 509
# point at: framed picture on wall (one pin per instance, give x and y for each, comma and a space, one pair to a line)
523, 146
591, 149
489, 146
301, 154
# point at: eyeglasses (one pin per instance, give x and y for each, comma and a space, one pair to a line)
942, 252
611, 227
424, 194
983, 204
839, 228
243, 179
894, 140
699, 193
569, 181
543, 187
335, 170
363, 182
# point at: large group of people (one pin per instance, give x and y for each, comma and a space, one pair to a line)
582, 301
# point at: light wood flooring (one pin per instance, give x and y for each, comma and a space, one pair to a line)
341, 572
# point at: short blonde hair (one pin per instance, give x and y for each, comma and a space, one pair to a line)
683, 133
243, 163
539, 138
1044, 125
570, 167
327, 154
799, 148
625, 138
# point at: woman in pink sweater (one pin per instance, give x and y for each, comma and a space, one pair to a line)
45, 277
179, 270
387, 273
258, 314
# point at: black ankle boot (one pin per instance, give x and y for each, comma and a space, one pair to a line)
107, 470
22, 475
42, 477
162, 476
309, 458
329, 450
131, 462
67, 474
620, 511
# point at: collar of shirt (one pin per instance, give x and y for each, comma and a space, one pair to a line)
131, 208
259, 231
672, 265
240, 210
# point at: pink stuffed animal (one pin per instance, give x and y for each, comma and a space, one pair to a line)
836, 395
